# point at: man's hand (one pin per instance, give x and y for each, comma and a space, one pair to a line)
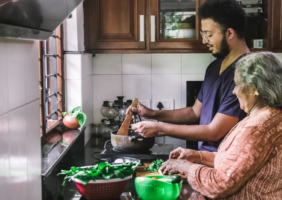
146, 129
141, 110
186, 154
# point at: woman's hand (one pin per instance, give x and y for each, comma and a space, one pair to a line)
171, 166
186, 154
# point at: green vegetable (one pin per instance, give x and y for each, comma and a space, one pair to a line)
76, 112
155, 166
171, 179
100, 171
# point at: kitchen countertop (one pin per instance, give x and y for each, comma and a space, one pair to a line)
95, 145
54, 150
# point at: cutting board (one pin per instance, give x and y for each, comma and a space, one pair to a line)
141, 172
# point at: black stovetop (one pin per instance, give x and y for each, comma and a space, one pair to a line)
109, 154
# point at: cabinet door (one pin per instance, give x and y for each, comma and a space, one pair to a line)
114, 24
175, 25
277, 24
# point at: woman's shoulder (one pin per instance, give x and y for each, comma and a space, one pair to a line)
265, 117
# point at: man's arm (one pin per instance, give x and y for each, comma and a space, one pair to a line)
219, 126
189, 115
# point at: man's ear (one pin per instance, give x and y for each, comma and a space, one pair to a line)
230, 33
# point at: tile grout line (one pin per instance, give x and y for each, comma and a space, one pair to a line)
151, 80
18, 107
181, 81
8, 131
121, 77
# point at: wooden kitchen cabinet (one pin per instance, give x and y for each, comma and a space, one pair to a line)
117, 26
171, 34
276, 24
113, 24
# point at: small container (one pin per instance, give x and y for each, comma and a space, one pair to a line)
104, 108
102, 189
108, 110
258, 43
112, 112
151, 189
105, 128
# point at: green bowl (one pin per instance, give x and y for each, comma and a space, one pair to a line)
151, 189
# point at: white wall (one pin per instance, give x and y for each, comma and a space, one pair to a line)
78, 68
20, 152
78, 86
74, 31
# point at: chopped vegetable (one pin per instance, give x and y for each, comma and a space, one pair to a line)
100, 171
155, 178
155, 166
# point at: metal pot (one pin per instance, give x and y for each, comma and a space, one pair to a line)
133, 142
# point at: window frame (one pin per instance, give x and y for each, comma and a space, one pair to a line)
51, 70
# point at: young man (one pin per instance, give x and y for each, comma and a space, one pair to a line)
216, 109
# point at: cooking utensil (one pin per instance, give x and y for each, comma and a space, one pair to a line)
125, 125
133, 142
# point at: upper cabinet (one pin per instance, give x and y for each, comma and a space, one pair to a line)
169, 26
175, 25
114, 24
276, 9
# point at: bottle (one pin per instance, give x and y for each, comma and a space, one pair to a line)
104, 108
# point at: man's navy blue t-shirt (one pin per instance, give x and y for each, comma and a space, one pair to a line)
216, 96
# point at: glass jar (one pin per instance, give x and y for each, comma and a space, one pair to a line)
122, 110
105, 128
104, 108
109, 111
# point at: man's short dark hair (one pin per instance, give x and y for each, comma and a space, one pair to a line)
227, 13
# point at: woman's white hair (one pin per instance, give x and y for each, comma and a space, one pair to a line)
263, 71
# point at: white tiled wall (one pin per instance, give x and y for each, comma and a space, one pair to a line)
20, 155
145, 76
74, 31
167, 86
166, 63
79, 86
105, 87
86, 94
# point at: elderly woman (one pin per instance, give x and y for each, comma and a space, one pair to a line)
248, 164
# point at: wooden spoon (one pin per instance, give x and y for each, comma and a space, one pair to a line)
125, 125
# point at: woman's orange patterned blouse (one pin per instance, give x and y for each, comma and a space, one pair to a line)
248, 164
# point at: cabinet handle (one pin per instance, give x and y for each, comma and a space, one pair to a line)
153, 31
142, 31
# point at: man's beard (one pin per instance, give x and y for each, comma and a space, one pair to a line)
224, 49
